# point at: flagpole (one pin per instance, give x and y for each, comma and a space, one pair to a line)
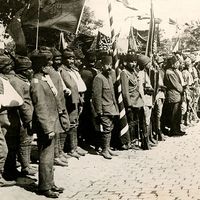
38, 23
124, 129
149, 34
79, 21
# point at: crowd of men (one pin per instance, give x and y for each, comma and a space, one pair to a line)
69, 101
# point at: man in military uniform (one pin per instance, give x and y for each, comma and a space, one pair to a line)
132, 99
47, 120
105, 106
21, 83
4, 61
72, 103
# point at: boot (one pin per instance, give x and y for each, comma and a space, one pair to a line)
112, 153
160, 136
79, 150
24, 154
145, 138
105, 146
73, 144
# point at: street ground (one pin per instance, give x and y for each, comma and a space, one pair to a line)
170, 171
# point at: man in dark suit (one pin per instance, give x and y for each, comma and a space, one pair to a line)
174, 82
47, 120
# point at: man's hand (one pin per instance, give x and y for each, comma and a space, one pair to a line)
67, 92
51, 135
98, 118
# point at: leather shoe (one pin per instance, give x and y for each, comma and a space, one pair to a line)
63, 159
81, 150
112, 153
106, 155
4, 183
49, 193
57, 189
124, 147
74, 154
58, 162
152, 144
28, 171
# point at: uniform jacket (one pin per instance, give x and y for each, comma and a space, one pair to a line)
46, 109
22, 86
19, 114
144, 80
70, 83
174, 86
103, 97
88, 75
130, 89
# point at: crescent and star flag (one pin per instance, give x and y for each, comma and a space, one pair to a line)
62, 15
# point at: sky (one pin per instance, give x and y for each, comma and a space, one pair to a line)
181, 11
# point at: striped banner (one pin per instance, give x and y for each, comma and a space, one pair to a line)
124, 128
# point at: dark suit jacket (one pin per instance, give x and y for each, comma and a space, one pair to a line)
174, 88
46, 109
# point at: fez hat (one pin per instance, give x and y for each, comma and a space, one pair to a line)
143, 60
5, 60
131, 57
55, 52
40, 58
172, 60
106, 60
91, 56
68, 53
22, 63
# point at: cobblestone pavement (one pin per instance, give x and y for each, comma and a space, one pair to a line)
170, 171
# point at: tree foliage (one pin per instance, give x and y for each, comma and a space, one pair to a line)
88, 23
9, 8
191, 36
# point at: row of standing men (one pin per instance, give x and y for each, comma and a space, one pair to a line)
66, 103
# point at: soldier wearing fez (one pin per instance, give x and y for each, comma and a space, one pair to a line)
18, 133
48, 119
21, 82
73, 103
5, 62
105, 106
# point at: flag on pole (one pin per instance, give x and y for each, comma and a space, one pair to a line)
132, 45
124, 128
128, 4
150, 41
103, 42
15, 31
62, 44
172, 22
63, 15
176, 46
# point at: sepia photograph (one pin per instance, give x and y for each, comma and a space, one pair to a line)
99, 99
